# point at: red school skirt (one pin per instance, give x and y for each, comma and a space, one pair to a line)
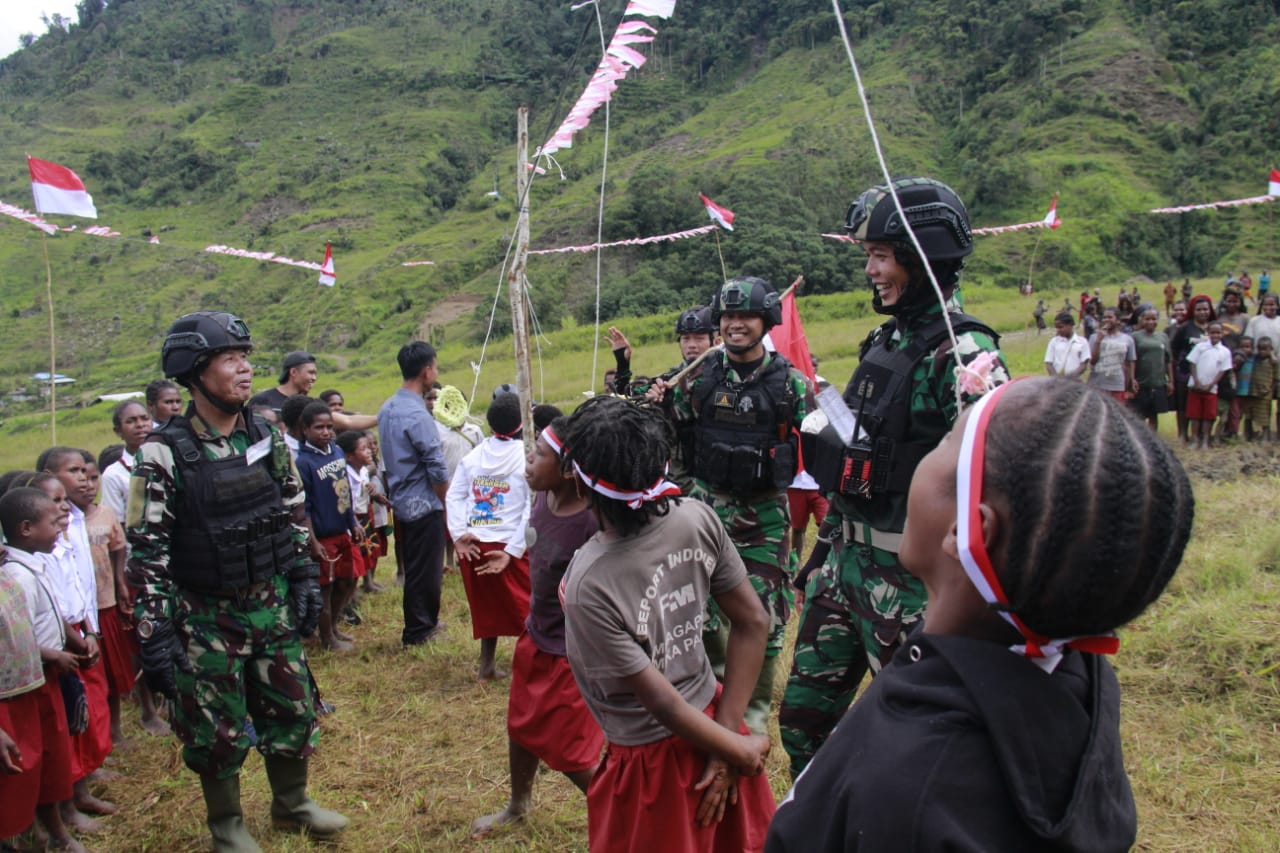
55, 761
21, 717
545, 711
90, 748
499, 603
642, 800
119, 648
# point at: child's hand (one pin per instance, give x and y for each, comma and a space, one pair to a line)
357, 533
10, 755
467, 547
720, 782
618, 341
495, 562
757, 750
64, 662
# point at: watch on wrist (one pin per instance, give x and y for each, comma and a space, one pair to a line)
146, 628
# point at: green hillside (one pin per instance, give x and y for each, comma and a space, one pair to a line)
384, 126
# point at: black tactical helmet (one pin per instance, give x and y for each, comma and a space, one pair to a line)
747, 295
194, 337
695, 321
935, 212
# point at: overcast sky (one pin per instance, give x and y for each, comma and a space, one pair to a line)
23, 16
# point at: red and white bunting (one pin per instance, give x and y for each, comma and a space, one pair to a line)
634, 241
1051, 219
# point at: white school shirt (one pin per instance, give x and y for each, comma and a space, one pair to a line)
1065, 355
488, 496
1207, 361
70, 567
115, 485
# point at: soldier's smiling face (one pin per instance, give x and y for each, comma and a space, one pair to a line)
229, 376
888, 277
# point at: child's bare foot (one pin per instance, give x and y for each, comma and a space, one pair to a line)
67, 843
75, 819
338, 645
102, 774
491, 675
156, 725
484, 825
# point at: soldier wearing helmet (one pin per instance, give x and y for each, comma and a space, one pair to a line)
740, 409
225, 589
695, 334
861, 603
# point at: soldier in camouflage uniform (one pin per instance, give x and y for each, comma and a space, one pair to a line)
859, 601
743, 405
224, 586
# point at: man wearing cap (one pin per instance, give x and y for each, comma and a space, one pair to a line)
296, 377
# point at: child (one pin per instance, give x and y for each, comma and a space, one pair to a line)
987, 732
1113, 357
32, 524
132, 424
680, 773
1067, 354
335, 530
75, 580
546, 717
164, 400
1257, 405
357, 446
107, 549
487, 508
1210, 361
1153, 371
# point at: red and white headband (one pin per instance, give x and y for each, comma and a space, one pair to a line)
661, 488
1044, 651
553, 441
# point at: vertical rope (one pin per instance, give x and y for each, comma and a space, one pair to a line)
604, 173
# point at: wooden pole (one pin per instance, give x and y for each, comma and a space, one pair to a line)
53, 386
516, 280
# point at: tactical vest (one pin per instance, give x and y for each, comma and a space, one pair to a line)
230, 526
743, 441
879, 393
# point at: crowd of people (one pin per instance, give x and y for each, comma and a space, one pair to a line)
645, 555
1214, 366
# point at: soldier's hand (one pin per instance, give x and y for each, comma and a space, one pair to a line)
306, 601
161, 653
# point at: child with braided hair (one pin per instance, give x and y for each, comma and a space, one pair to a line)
633, 600
997, 725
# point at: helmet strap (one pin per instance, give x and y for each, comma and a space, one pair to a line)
219, 404
739, 349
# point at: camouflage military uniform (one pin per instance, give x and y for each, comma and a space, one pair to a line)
861, 602
759, 526
247, 657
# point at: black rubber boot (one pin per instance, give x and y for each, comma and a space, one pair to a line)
291, 808
226, 820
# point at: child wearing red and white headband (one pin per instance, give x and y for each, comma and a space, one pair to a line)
997, 725
680, 773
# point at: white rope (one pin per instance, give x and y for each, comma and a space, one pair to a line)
604, 173
888, 179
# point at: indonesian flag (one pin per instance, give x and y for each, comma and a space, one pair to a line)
1051, 219
1273, 188
328, 277
721, 216
57, 189
651, 8
788, 338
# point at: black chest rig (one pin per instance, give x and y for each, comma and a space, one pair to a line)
230, 529
880, 394
743, 441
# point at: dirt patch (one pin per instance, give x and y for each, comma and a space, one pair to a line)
1150, 101
1231, 461
271, 209
447, 311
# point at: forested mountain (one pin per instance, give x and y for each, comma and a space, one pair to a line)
385, 126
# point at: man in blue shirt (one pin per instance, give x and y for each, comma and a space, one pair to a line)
416, 483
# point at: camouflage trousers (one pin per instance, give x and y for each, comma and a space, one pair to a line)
248, 663
857, 610
760, 531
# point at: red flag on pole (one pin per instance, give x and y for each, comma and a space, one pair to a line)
57, 189
721, 216
788, 338
1273, 186
328, 277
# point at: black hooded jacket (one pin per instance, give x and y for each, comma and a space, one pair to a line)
962, 745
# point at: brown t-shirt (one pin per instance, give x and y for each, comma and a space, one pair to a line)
105, 537
641, 601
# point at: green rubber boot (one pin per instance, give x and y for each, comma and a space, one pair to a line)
291, 808
761, 702
226, 820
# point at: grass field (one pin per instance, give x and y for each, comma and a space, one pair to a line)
417, 748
